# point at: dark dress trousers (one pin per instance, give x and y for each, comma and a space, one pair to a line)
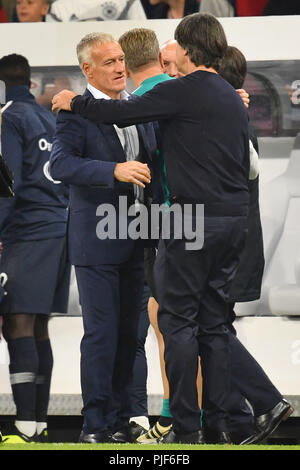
109, 272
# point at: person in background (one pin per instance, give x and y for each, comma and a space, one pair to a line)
96, 10
34, 255
249, 380
282, 7
218, 8
223, 8
156, 9
31, 11
168, 54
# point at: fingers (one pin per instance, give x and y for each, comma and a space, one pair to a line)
62, 100
133, 172
137, 182
143, 173
245, 96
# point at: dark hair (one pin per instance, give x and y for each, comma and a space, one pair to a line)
14, 70
203, 37
234, 67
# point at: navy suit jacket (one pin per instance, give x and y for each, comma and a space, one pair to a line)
84, 156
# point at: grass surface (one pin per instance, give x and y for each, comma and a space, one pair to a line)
135, 447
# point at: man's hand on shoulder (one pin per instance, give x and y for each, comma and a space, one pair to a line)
133, 172
63, 100
245, 96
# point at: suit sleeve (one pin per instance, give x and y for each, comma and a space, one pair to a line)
162, 102
12, 153
67, 160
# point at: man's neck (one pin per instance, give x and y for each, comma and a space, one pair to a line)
144, 73
193, 68
114, 95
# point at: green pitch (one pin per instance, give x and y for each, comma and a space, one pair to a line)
129, 447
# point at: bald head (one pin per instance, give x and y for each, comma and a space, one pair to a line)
168, 54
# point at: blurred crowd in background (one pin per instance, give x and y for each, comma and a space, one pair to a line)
29, 11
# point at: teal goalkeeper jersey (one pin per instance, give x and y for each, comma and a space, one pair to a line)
147, 85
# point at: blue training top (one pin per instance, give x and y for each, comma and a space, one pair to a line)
39, 209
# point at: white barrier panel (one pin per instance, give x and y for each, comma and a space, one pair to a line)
274, 342
259, 38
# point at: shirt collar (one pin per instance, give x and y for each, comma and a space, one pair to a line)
19, 93
98, 94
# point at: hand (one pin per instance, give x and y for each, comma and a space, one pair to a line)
63, 100
245, 97
133, 172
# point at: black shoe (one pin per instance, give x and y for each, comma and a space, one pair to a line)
238, 437
97, 438
180, 438
214, 436
267, 423
128, 433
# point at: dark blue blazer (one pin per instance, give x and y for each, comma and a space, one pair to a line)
84, 156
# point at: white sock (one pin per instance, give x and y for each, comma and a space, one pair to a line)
141, 420
26, 427
40, 427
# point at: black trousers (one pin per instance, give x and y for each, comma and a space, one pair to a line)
192, 288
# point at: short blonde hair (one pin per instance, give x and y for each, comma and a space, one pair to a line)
83, 48
140, 46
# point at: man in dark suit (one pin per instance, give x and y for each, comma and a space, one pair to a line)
99, 162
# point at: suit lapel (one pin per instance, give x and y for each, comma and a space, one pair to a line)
111, 137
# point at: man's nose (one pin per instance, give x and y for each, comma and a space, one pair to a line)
173, 71
120, 66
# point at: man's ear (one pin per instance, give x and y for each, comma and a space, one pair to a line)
86, 68
161, 61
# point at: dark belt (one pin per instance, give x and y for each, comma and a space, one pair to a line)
218, 209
